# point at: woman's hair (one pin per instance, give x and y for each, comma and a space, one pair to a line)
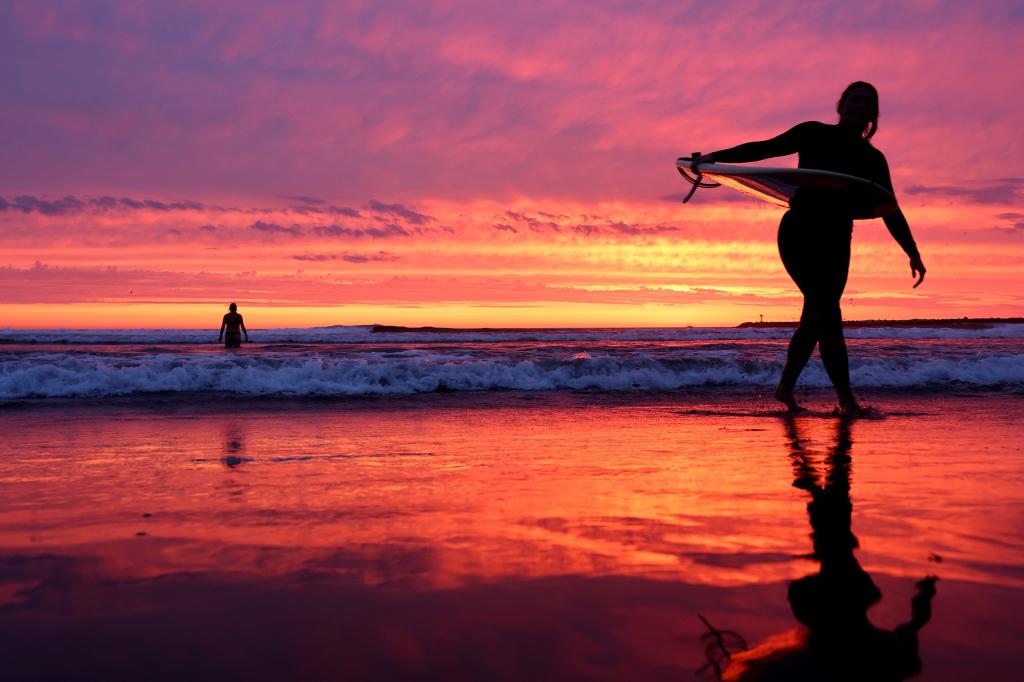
873, 123
232, 307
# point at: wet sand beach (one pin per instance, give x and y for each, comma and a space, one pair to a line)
490, 535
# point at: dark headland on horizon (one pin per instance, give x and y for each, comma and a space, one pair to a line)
953, 322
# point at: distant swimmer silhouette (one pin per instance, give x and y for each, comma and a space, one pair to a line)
234, 326
815, 233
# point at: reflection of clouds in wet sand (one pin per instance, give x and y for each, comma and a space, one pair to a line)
480, 537
322, 621
837, 640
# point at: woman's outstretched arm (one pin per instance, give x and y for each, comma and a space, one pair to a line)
782, 145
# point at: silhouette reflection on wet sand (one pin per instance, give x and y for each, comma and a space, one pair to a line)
837, 640
234, 446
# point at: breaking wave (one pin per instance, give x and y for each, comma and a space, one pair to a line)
323, 371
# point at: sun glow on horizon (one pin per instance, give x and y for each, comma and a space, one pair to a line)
470, 265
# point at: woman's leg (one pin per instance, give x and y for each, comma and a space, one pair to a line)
831, 342
815, 250
827, 319
801, 346
793, 250
832, 345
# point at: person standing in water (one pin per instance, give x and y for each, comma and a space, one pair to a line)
235, 327
815, 233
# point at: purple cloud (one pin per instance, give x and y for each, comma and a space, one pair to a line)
274, 228
389, 230
313, 201
1005, 192
30, 204
462, 101
70, 205
533, 223
400, 211
347, 257
306, 209
623, 228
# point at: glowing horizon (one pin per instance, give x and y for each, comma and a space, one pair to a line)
481, 165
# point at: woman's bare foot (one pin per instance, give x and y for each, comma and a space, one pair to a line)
785, 395
849, 407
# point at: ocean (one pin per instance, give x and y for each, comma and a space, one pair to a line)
356, 361
630, 504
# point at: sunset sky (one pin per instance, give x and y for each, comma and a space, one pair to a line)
483, 163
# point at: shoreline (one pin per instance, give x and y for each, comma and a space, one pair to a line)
756, 401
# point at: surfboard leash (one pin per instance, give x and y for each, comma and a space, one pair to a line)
696, 179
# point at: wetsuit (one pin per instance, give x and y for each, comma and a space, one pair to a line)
232, 333
814, 236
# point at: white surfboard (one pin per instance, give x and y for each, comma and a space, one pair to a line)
779, 185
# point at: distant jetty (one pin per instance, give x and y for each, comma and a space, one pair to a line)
950, 323
393, 329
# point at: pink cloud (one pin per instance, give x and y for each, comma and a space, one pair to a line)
470, 100
534, 139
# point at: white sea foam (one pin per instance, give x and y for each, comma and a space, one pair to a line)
312, 371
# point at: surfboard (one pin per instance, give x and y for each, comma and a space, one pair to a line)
778, 185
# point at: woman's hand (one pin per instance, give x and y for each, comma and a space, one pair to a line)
917, 269
704, 158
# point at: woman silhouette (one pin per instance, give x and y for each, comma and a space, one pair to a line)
814, 235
